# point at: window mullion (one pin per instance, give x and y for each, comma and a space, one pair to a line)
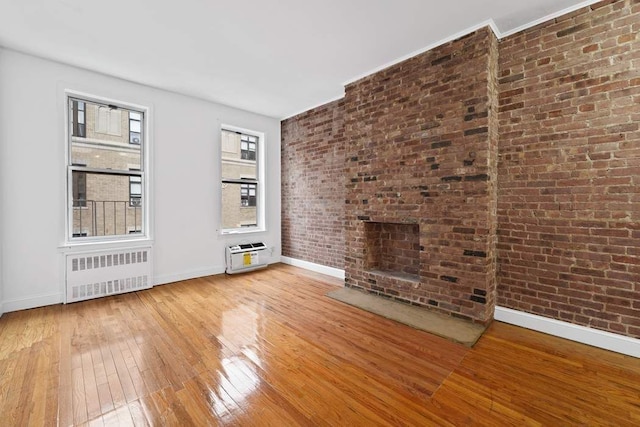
101, 171
239, 181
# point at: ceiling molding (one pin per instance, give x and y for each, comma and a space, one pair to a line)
549, 17
488, 23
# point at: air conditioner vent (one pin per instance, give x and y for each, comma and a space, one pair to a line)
245, 257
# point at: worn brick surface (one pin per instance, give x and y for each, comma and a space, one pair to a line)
569, 175
313, 185
419, 152
564, 145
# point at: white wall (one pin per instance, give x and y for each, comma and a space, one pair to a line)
185, 193
1, 201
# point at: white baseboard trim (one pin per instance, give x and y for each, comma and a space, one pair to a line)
32, 302
194, 274
318, 268
186, 275
581, 334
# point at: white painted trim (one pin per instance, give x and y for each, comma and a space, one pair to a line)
32, 302
594, 337
194, 274
261, 179
186, 275
146, 164
548, 18
318, 268
581, 334
488, 23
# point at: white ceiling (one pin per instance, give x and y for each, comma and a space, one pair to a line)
273, 57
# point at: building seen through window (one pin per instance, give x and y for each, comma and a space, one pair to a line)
248, 146
240, 183
105, 170
78, 118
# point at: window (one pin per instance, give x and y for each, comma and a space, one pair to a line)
135, 190
135, 127
106, 172
79, 119
247, 194
248, 146
241, 184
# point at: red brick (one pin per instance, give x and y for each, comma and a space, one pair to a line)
555, 234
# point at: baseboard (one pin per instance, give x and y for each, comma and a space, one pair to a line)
581, 334
318, 268
186, 275
32, 302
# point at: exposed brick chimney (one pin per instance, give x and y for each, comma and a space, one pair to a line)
421, 179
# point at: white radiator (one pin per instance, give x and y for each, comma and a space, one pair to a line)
97, 274
245, 257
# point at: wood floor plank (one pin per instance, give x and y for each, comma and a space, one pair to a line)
269, 348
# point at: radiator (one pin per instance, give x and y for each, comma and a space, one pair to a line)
245, 257
97, 274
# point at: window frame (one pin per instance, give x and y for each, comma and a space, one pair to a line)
259, 181
144, 173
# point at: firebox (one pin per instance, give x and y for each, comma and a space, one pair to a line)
393, 249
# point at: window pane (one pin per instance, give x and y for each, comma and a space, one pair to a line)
107, 210
134, 138
235, 147
237, 213
134, 126
135, 115
105, 147
136, 189
79, 188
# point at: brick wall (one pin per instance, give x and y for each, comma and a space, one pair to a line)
568, 137
569, 174
313, 185
419, 153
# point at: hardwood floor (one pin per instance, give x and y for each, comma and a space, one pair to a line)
268, 348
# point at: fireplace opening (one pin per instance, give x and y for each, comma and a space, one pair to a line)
393, 249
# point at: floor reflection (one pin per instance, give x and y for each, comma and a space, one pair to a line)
238, 378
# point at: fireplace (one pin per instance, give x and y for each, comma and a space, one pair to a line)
393, 249
421, 156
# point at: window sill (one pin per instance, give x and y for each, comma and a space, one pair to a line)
71, 246
242, 231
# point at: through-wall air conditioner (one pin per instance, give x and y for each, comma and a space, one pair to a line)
246, 257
